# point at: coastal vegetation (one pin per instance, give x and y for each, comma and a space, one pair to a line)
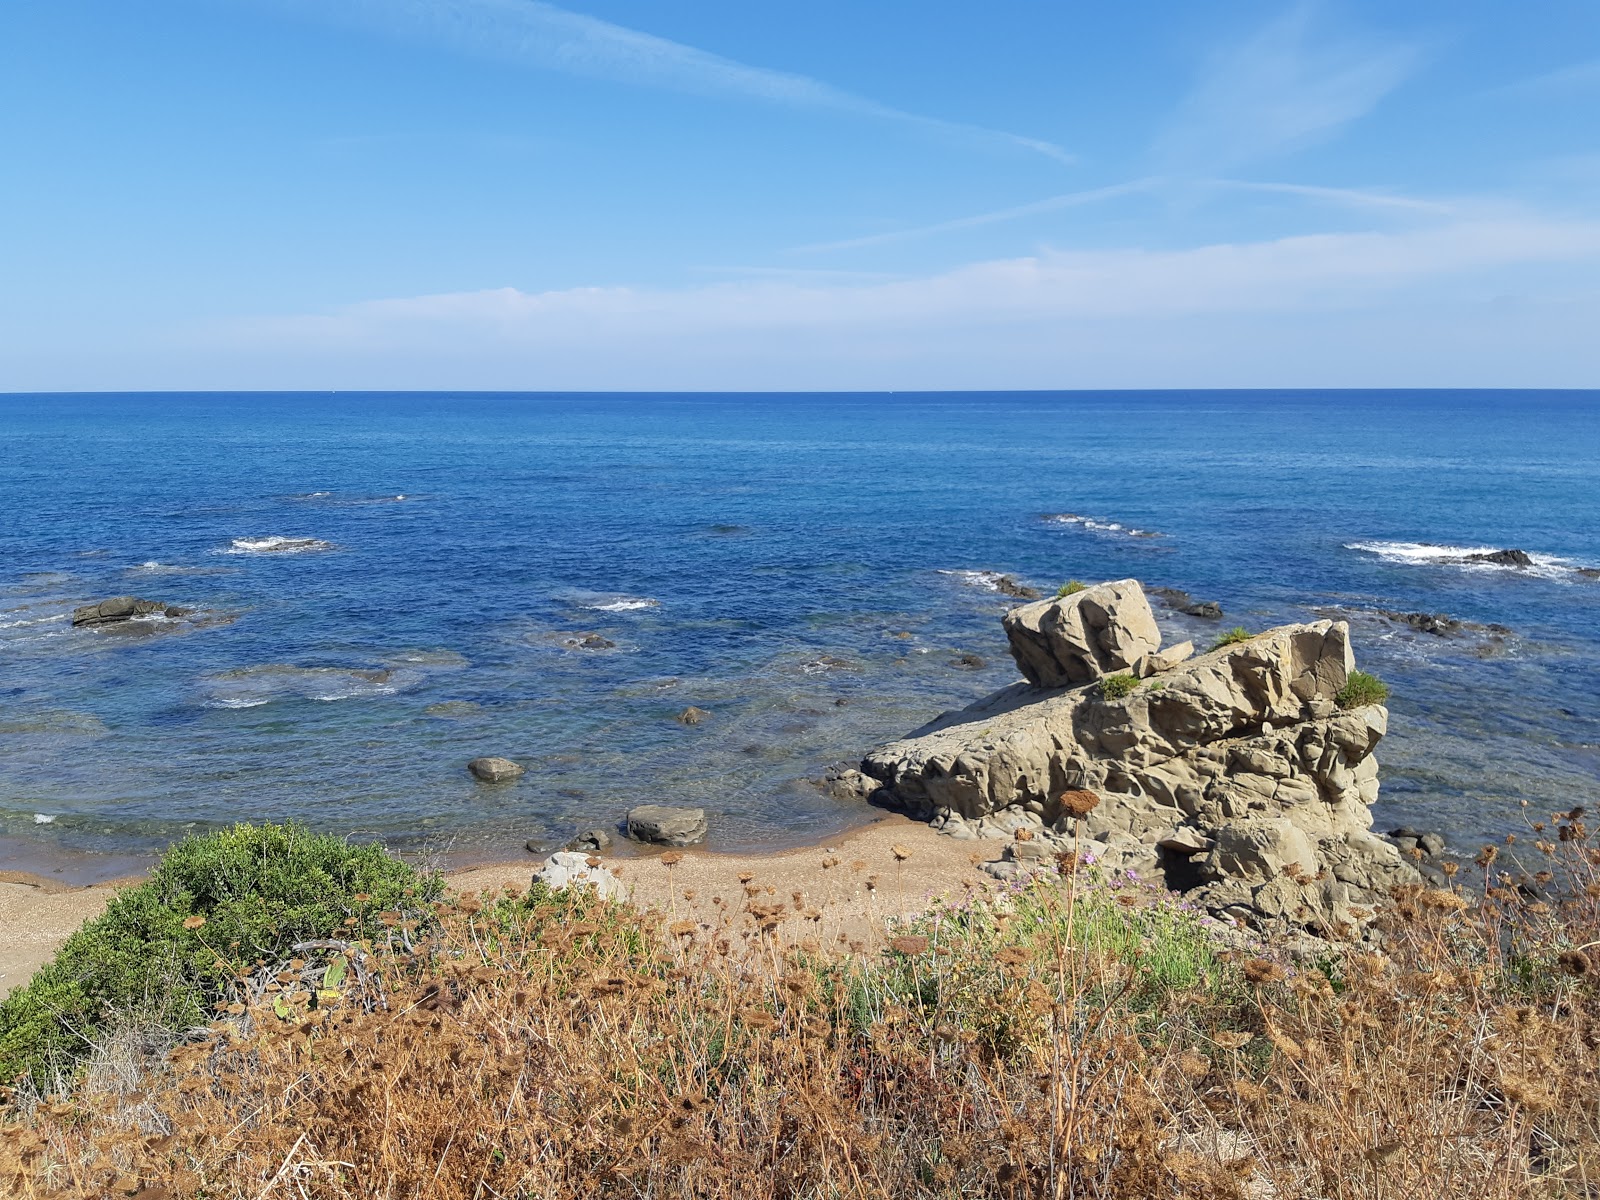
165, 953
1116, 687
1233, 637
1080, 1035
1071, 588
1361, 689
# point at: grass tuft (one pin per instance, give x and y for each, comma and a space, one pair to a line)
1071, 588
1233, 637
1361, 689
1115, 687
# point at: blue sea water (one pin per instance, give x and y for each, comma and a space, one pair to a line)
808, 568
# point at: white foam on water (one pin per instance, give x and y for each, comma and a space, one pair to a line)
33, 621
250, 687
278, 545
623, 604
43, 819
987, 580
1098, 525
1545, 566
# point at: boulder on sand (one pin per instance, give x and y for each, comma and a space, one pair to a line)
494, 770
1076, 639
665, 825
566, 869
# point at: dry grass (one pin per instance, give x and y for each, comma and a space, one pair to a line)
1068, 1040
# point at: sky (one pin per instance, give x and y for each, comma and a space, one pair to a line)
719, 194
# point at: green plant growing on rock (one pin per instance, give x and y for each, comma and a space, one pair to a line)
1233, 637
1361, 689
164, 953
1115, 687
1071, 588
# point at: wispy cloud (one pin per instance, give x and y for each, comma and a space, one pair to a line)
1016, 212
1345, 271
1564, 80
537, 34
1288, 84
1346, 197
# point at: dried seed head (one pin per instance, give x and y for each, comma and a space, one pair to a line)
901, 853
1576, 962
909, 944
672, 858
1078, 803
193, 922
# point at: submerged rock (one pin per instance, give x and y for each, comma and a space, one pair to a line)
692, 716
495, 770
1181, 601
665, 825
1503, 558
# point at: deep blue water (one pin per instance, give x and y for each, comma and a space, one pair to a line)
796, 548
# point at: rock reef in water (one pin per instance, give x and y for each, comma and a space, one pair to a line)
124, 608
1233, 776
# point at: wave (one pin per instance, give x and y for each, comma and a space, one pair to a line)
1099, 525
1466, 558
610, 602
250, 687
33, 621
624, 604
994, 581
160, 568
278, 545
332, 498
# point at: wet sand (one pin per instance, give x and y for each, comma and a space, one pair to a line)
853, 883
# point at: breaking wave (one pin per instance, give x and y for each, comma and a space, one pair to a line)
279, 545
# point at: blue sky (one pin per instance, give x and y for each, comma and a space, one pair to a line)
721, 194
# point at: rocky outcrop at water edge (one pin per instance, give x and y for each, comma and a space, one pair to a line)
1233, 776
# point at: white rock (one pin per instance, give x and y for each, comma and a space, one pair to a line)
567, 868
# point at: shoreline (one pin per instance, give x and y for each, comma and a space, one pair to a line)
854, 881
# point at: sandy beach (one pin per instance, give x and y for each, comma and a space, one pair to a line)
853, 883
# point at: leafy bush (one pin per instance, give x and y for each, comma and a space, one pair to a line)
1361, 689
1233, 637
1115, 687
1071, 588
163, 953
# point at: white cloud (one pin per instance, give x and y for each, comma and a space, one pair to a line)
1305, 274
538, 34
1285, 86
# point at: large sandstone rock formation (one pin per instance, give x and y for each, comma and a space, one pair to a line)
1233, 776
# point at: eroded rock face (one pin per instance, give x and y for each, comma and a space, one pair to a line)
1077, 639
1233, 776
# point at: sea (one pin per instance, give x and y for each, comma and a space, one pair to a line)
381, 586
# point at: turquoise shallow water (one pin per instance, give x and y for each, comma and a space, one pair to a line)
762, 557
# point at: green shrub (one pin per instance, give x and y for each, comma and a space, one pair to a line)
1071, 588
1233, 637
1115, 687
1361, 689
164, 953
